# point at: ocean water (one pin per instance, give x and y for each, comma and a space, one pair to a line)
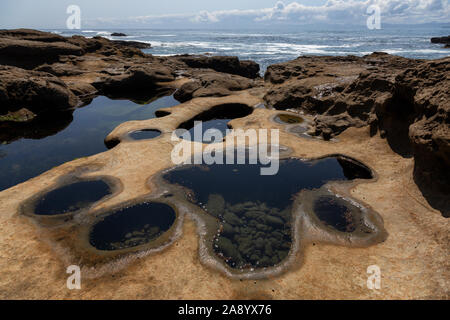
66, 138
268, 47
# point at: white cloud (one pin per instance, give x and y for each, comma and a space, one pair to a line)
332, 12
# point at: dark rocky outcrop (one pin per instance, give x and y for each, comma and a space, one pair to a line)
90, 66
133, 44
225, 64
28, 54
32, 35
428, 88
34, 90
118, 34
212, 84
29, 48
444, 40
406, 100
134, 79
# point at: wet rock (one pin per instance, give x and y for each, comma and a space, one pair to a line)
132, 44
224, 64
444, 40
273, 221
215, 205
118, 34
231, 218
259, 243
256, 234
29, 49
84, 91
135, 79
265, 261
212, 84
237, 208
282, 255
228, 230
268, 249
226, 247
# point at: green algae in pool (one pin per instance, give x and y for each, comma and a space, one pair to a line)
288, 119
71, 198
56, 139
132, 227
216, 118
332, 212
254, 211
145, 134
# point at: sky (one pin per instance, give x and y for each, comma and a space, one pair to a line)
48, 14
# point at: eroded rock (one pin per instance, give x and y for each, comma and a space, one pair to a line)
406, 100
225, 64
33, 90
212, 84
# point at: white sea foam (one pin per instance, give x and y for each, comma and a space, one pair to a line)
104, 33
271, 48
415, 51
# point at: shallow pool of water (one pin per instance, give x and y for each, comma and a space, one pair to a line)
132, 226
216, 124
254, 211
288, 119
145, 134
333, 212
216, 118
52, 142
72, 197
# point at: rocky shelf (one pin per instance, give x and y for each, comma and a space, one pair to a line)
388, 112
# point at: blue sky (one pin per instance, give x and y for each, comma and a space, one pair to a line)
208, 13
